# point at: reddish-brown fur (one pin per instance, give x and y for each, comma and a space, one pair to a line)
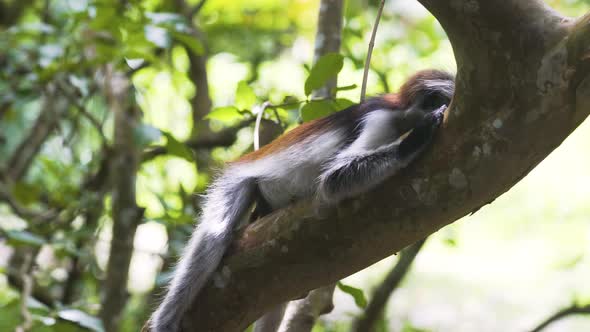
349, 117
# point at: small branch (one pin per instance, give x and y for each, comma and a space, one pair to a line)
382, 76
75, 101
223, 138
301, 315
571, 310
134, 70
22, 157
366, 322
26, 270
370, 51
99, 181
197, 8
32, 216
43, 295
261, 110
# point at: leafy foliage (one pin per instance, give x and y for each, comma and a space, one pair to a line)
195, 80
326, 68
357, 294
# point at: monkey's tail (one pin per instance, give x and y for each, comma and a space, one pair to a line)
225, 205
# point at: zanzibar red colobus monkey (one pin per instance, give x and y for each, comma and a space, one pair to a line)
327, 160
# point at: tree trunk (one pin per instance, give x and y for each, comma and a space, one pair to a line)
125, 212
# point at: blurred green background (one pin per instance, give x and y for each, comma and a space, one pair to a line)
505, 268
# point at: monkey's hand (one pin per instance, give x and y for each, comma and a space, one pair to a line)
349, 174
422, 134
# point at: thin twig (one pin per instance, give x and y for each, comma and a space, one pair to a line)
370, 51
261, 110
292, 103
279, 121
21, 211
196, 9
223, 138
82, 110
131, 71
574, 309
14, 278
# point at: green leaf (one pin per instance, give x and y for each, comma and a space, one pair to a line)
177, 148
316, 109
326, 68
342, 103
245, 96
26, 193
145, 135
450, 241
81, 318
226, 114
356, 293
194, 45
25, 237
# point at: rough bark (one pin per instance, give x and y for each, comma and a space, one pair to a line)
522, 87
125, 212
367, 321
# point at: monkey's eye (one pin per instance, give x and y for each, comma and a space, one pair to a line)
433, 101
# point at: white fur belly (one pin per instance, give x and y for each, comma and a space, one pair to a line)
300, 182
293, 174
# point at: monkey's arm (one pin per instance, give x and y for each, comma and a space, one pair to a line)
350, 174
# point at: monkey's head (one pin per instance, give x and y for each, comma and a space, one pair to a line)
425, 92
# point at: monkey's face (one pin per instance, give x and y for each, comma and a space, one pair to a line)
423, 105
433, 101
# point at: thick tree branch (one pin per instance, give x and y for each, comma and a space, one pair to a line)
522, 87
